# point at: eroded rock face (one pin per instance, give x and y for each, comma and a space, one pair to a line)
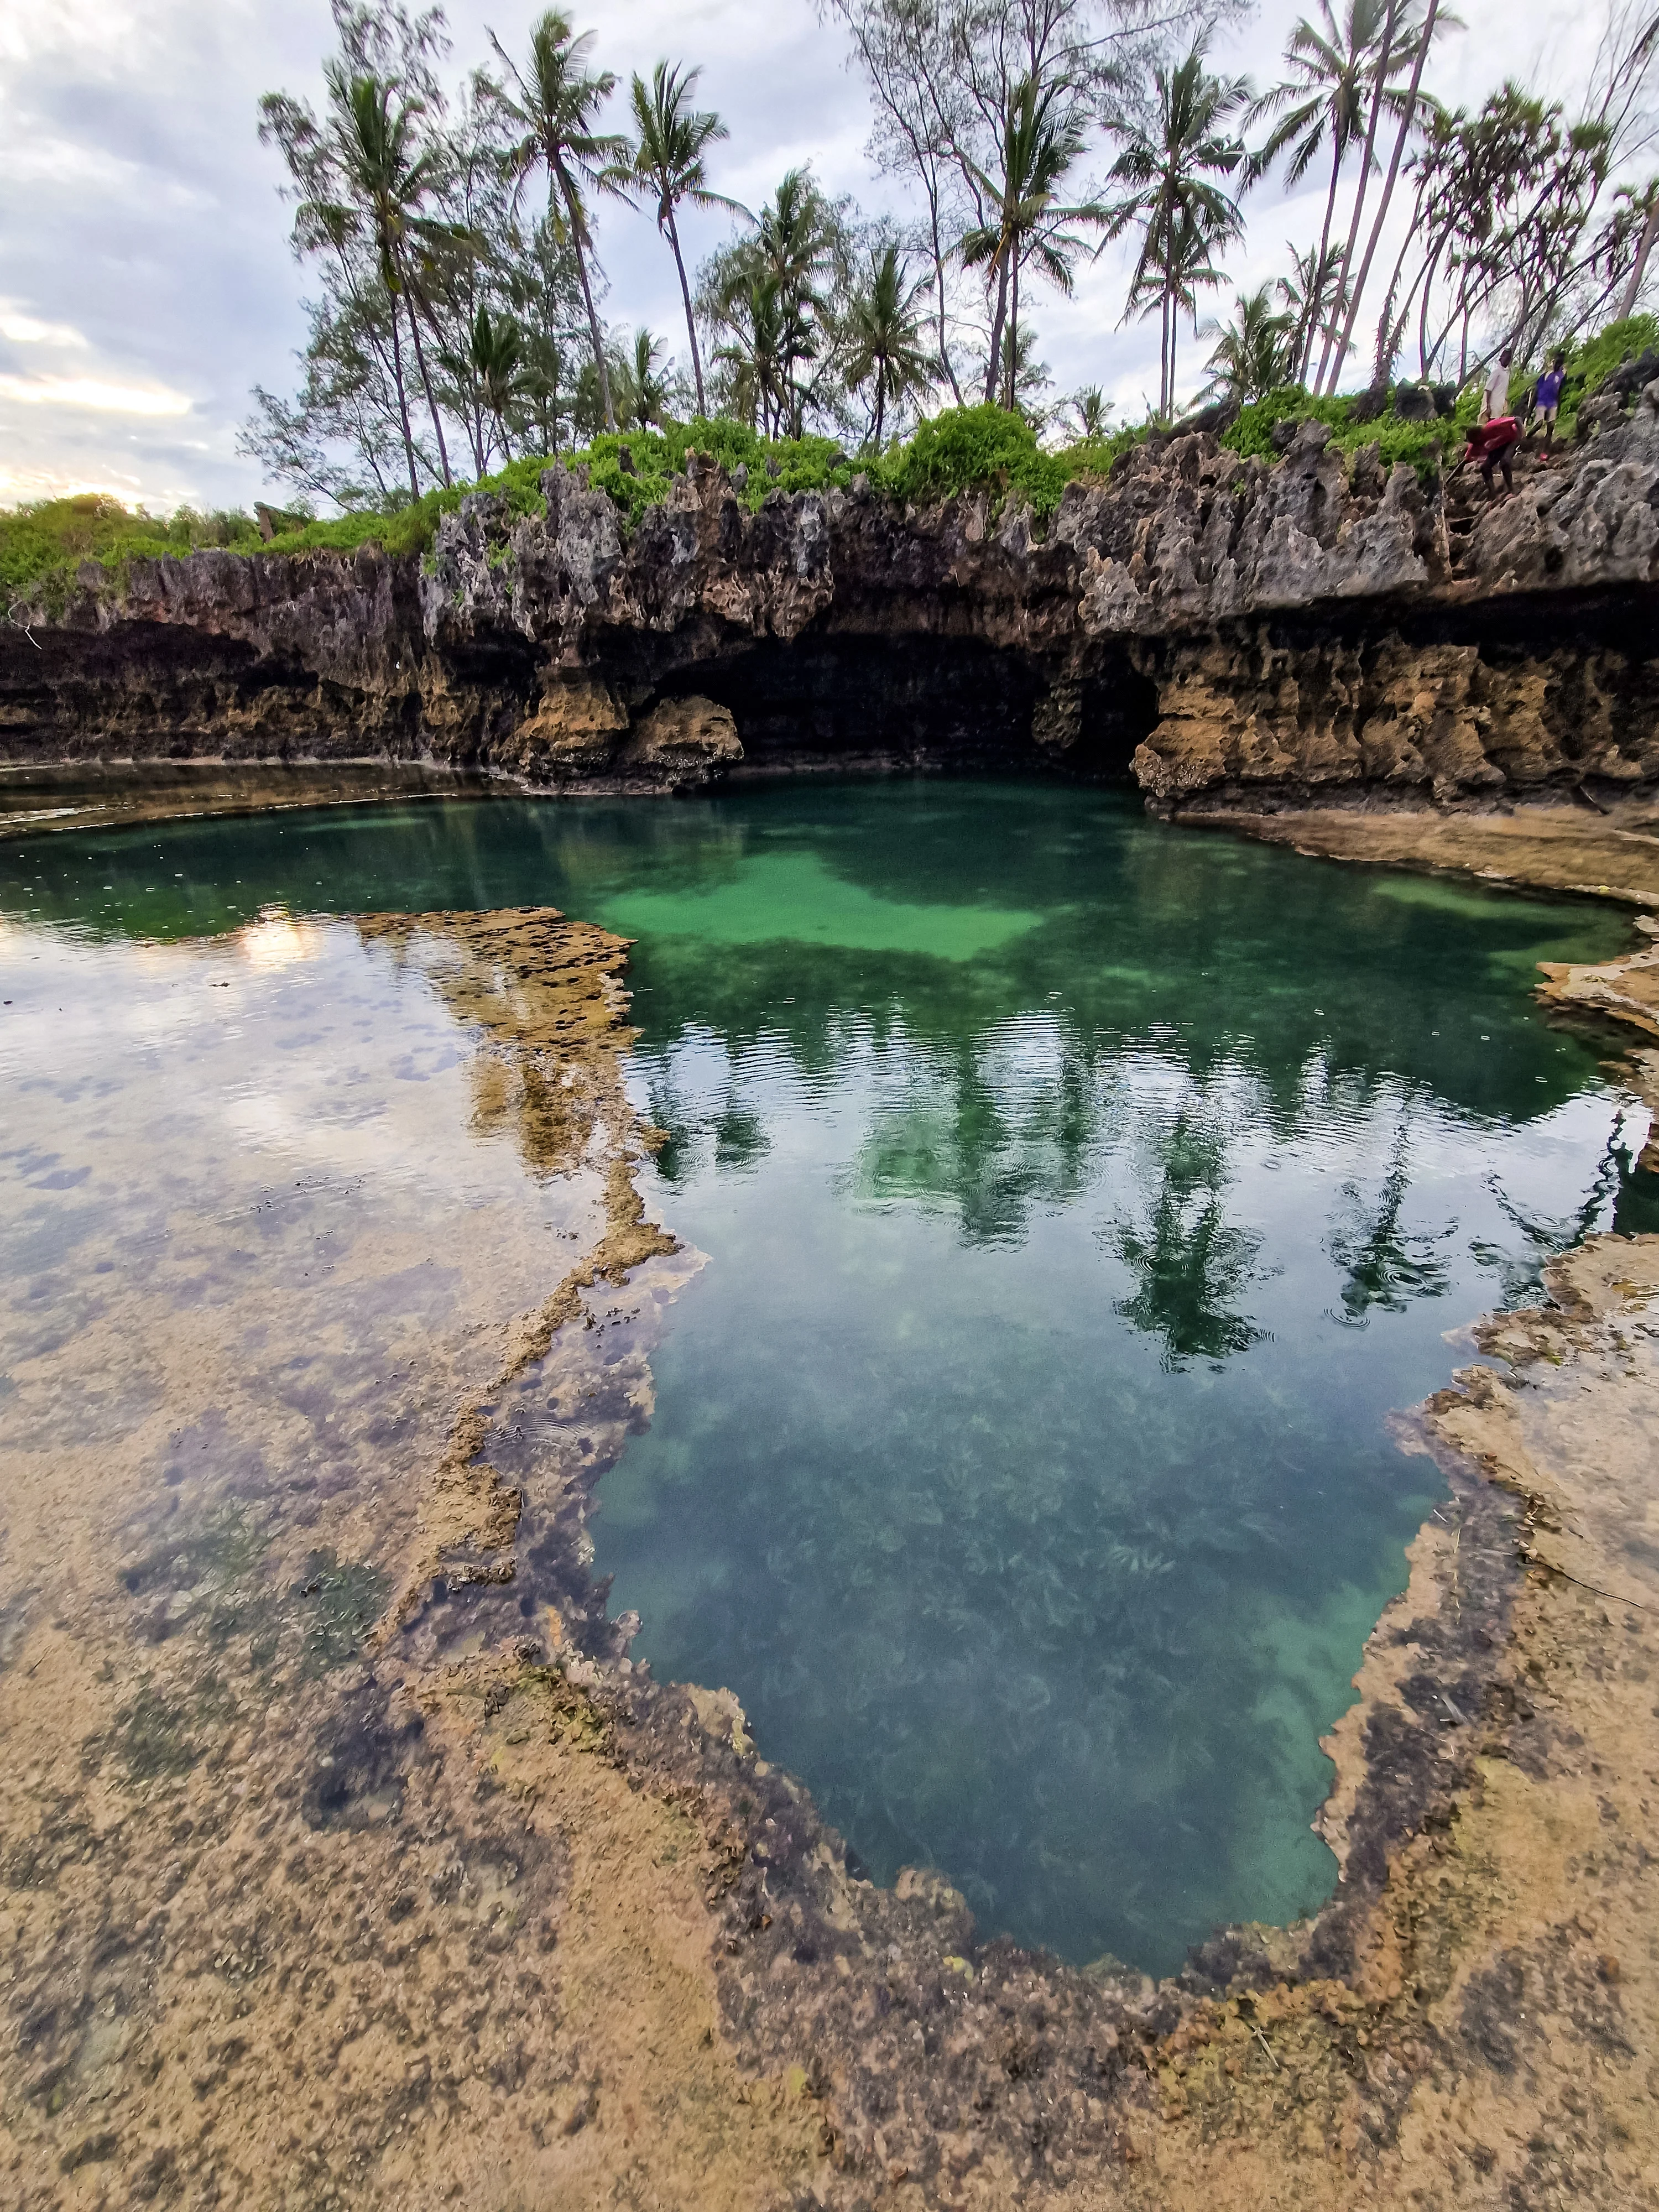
1215, 626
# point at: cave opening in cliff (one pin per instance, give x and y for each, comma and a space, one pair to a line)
827, 700
833, 701
1118, 711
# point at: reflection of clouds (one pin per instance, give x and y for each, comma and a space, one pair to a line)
277, 940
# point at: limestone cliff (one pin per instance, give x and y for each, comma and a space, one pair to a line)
1225, 629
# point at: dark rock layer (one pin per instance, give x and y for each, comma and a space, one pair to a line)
1209, 624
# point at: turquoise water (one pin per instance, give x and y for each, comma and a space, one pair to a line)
1078, 1198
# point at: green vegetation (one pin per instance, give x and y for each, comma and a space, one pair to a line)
1424, 444
41, 546
962, 450
57, 534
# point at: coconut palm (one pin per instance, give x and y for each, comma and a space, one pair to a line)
647, 393
1404, 43
382, 176
771, 283
1325, 93
1310, 294
666, 165
557, 103
1253, 352
1171, 168
882, 335
493, 376
1041, 140
759, 349
1415, 104
1091, 412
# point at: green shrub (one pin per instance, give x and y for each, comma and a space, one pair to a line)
1589, 366
968, 447
53, 536
1424, 446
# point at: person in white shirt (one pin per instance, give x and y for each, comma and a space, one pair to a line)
1498, 387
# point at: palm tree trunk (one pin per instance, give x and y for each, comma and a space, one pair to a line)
1378, 87
690, 319
996, 333
1013, 331
1164, 358
1649, 229
1174, 335
1427, 274
575, 210
1400, 138
1318, 314
881, 396
402, 401
426, 384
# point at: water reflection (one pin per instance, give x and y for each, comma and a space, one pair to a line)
1079, 1199
1191, 1265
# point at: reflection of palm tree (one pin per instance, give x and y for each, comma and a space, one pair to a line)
1385, 1267
1192, 1262
1542, 1237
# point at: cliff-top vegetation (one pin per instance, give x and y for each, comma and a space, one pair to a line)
962, 450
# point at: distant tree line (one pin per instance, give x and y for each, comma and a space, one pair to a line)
457, 312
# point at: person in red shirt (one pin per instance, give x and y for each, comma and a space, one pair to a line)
1492, 446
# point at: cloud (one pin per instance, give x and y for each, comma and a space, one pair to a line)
104, 398
26, 329
144, 252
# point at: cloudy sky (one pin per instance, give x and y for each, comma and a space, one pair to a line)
145, 279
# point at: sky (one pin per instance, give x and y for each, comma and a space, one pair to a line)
146, 281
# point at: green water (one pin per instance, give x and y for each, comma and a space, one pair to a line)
1079, 1197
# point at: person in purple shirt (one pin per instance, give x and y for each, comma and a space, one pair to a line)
1547, 398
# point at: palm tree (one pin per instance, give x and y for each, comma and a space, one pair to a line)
1310, 293
883, 335
1403, 41
1252, 354
557, 104
666, 165
772, 279
1330, 73
1406, 110
385, 175
1092, 412
494, 376
1183, 215
1038, 148
1186, 268
756, 354
648, 394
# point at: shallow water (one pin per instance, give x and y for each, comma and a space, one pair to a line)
1080, 1198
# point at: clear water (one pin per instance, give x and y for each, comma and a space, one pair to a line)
1080, 1198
